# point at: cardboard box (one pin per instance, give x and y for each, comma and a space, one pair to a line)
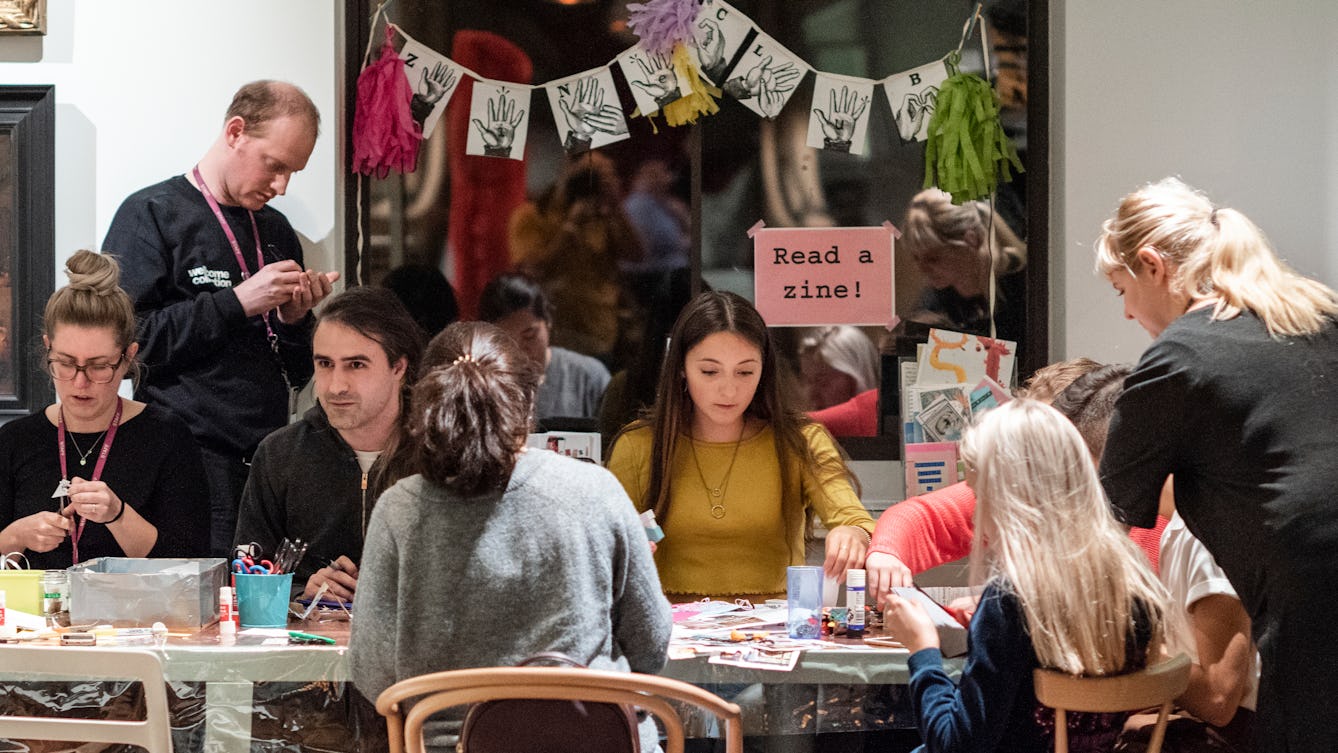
126, 592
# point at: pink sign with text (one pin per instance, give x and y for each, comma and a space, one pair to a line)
824, 275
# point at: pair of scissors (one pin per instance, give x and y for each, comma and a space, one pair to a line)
245, 565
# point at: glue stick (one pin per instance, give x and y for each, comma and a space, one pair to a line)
227, 623
855, 603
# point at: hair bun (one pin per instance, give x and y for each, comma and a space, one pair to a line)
93, 273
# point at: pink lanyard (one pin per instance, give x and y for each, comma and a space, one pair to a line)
227, 229
97, 467
237, 252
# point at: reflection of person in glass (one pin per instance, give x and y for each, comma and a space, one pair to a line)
949, 245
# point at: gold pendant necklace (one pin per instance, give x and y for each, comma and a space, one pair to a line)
715, 495
83, 456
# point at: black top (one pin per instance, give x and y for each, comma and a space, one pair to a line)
306, 483
1249, 427
153, 466
207, 361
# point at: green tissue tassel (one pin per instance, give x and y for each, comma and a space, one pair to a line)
967, 146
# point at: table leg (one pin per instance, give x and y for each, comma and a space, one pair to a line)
227, 717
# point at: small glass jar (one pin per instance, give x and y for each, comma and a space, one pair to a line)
56, 594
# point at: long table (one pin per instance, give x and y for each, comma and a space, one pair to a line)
810, 699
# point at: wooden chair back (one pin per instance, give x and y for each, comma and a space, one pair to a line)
1157, 685
435, 692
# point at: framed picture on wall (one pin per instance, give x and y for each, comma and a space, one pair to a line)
27, 241
22, 16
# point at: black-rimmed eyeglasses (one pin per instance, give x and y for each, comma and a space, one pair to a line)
97, 373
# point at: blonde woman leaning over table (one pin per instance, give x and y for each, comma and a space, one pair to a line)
1237, 398
733, 474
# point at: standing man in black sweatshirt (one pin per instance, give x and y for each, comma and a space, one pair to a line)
217, 280
318, 479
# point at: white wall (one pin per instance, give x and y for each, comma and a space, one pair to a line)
1239, 99
141, 88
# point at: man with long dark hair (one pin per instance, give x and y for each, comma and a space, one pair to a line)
318, 478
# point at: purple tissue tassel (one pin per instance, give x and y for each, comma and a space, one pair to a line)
663, 23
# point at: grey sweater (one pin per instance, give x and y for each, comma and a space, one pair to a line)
559, 562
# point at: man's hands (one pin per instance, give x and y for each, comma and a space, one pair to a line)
285, 286
342, 575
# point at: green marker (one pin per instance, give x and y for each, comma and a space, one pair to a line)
310, 637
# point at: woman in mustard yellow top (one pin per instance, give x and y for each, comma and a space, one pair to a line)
734, 475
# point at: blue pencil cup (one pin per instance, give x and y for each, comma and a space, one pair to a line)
262, 599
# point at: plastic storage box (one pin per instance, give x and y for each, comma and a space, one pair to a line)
125, 592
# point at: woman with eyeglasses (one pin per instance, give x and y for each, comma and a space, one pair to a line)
96, 475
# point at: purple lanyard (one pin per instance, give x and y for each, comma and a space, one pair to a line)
97, 467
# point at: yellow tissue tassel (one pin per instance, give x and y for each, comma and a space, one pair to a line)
699, 101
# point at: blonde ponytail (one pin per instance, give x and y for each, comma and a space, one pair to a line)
1214, 253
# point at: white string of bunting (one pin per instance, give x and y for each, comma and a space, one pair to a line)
728, 49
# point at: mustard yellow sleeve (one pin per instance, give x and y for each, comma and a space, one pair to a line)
629, 462
826, 489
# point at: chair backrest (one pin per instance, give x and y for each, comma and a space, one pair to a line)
1157, 685
434, 692
154, 733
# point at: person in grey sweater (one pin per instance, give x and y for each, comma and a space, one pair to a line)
492, 552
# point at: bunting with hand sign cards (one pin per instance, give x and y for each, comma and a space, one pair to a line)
585, 108
654, 80
720, 33
499, 114
433, 78
838, 121
765, 77
913, 95
824, 275
683, 44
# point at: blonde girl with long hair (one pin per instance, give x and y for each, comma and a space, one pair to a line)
1237, 399
1064, 588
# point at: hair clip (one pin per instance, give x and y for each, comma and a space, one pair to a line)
463, 358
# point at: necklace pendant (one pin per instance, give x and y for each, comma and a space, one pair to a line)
83, 461
715, 492
717, 511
